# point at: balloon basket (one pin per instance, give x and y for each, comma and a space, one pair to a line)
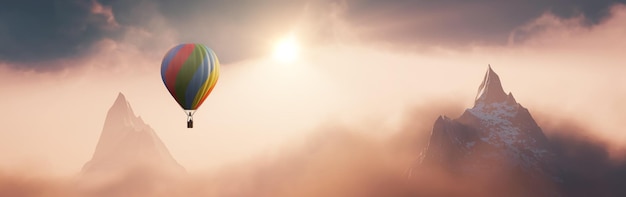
190, 124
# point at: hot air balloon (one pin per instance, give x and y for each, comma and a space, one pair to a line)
189, 72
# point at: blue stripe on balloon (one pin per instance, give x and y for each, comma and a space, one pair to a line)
212, 63
205, 72
199, 77
167, 59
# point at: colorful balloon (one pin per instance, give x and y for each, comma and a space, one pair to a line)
190, 72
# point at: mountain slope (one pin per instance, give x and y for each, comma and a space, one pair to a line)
496, 135
128, 148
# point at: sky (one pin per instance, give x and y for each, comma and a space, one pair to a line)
361, 63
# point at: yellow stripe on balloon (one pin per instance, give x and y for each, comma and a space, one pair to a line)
205, 84
209, 83
214, 76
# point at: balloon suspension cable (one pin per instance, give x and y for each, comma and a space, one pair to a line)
189, 112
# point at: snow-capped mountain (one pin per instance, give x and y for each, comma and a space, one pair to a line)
496, 131
126, 144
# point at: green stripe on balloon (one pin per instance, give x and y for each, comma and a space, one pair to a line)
184, 76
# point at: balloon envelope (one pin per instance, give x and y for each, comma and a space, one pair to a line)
189, 72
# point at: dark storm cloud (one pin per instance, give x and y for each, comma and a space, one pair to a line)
460, 22
242, 29
32, 31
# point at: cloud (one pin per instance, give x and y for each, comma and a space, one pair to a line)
344, 161
590, 165
458, 24
554, 31
33, 34
105, 11
71, 36
548, 71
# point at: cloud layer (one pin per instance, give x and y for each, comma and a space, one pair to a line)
35, 34
561, 65
344, 161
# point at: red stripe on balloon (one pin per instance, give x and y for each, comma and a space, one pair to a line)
175, 65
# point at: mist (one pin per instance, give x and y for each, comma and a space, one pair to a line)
363, 112
337, 160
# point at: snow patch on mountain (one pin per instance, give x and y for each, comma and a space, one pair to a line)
496, 128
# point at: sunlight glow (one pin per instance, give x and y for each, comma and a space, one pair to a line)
286, 50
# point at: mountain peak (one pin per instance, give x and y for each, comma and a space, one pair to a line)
126, 142
121, 106
120, 97
490, 90
497, 131
120, 100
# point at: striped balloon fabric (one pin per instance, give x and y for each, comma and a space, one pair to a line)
189, 72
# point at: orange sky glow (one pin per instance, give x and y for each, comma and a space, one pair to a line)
262, 107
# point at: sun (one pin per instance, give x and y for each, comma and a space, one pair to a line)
286, 50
